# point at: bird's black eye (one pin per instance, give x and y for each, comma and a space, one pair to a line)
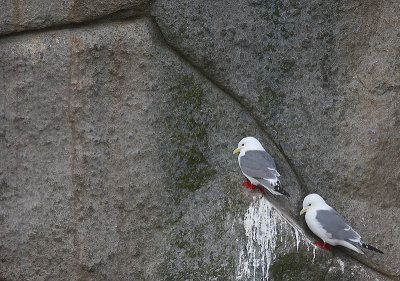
309, 204
242, 144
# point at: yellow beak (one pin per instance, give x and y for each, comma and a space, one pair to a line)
303, 211
236, 150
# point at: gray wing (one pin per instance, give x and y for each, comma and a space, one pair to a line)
335, 225
258, 164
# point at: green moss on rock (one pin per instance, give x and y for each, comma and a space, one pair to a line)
273, 13
271, 99
202, 248
287, 65
296, 266
188, 133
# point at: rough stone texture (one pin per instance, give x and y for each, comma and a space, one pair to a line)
322, 79
76, 120
117, 149
83, 190
20, 15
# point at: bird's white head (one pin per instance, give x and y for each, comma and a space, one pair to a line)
248, 143
311, 201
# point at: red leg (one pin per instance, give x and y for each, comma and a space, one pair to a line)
323, 246
261, 189
249, 185
327, 246
318, 244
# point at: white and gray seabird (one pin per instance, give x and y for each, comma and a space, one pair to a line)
330, 226
258, 167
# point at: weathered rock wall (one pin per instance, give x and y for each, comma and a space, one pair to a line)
21, 15
322, 79
117, 136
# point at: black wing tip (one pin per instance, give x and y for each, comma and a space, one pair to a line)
369, 247
279, 189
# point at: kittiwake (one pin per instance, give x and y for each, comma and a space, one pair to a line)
258, 167
330, 226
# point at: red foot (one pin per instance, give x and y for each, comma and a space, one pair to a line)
261, 189
249, 185
323, 246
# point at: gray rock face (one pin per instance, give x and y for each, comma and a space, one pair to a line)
77, 121
20, 15
117, 138
323, 81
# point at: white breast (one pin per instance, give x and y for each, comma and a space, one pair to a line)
315, 226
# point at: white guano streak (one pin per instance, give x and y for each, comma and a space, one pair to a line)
263, 224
